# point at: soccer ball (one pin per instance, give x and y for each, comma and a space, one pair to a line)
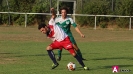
71, 66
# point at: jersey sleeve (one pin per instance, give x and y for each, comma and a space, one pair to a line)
57, 19
51, 22
73, 23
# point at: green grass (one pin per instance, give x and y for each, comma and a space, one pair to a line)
22, 51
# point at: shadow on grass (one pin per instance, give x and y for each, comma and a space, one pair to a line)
110, 67
121, 66
20, 55
113, 58
94, 53
67, 53
7, 53
31, 55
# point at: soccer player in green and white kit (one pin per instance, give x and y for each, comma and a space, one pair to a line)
65, 23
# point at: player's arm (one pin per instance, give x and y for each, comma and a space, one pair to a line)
53, 13
76, 28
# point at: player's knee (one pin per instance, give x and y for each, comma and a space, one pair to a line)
75, 47
73, 54
49, 48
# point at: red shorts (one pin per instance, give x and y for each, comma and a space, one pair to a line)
66, 44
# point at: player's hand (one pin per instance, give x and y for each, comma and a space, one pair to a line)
52, 9
82, 35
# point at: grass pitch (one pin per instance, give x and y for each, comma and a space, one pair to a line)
22, 51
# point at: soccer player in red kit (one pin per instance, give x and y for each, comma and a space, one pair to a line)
60, 40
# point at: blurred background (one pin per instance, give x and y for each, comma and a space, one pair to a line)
89, 7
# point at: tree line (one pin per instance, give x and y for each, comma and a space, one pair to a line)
92, 7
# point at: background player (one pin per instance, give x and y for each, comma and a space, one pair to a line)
65, 23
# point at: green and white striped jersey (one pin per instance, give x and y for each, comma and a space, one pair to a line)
65, 24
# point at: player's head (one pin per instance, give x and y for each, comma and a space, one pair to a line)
64, 11
43, 28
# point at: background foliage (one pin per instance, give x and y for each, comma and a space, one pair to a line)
95, 7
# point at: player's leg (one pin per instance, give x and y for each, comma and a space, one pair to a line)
59, 55
68, 46
51, 54
76, 47
72, 52
78, 51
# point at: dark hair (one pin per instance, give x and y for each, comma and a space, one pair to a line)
41, 26
64, 8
